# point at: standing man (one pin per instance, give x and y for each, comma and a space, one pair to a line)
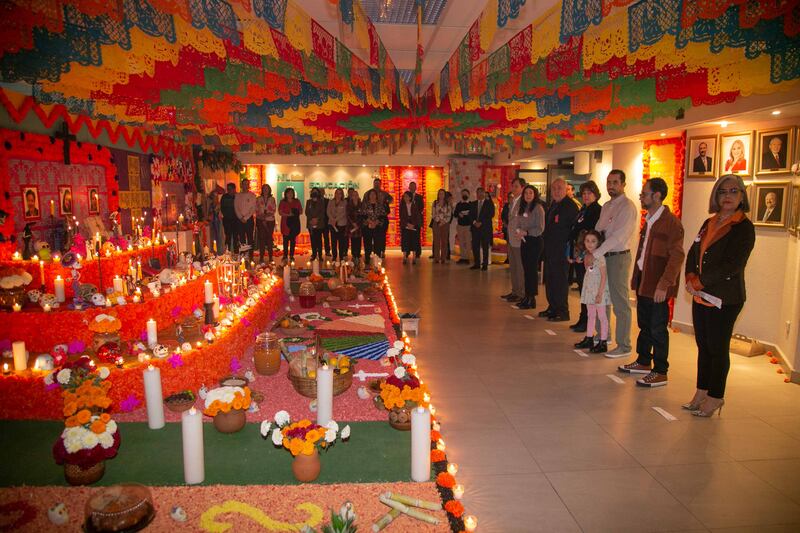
618, 220
462, 215
481, 215
514, 254
417, 207
656, 273
384, 199
230, 222
245, 206
557, 227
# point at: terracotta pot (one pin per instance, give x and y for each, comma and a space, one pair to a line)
75, 475
306, 467
400, 418
230, 422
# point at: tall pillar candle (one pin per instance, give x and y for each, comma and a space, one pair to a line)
41, 272
58, 285
20, 356
315, 266
208, 289
118, 287
287, 279
152, 333
153, 397
324, 395
216, 307
420, 445
194, 468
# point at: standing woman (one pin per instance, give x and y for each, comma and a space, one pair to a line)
587, 219
354, 223
316, 222
337, 218
441, 215
265, 221
410, 223
529, 227
715, 265
289, 210
373, 213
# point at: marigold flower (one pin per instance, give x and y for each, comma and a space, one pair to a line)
295, 446
98, 427
437, 456
454, 507
444, 479
105, 417
435, 435
83, 416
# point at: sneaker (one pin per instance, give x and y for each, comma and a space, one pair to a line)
635, 368
617, 352
653, 379
244, 247
506, 296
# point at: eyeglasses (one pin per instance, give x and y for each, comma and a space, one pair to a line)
732, 191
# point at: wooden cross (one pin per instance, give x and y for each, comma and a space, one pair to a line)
66, 137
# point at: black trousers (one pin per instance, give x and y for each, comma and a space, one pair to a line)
247, 234
531, 250
556, 269
315, 235
326, 239
653, 341
379, 239
369, 242
264, 230
713, 329
288, 247
481, 241
355, 247
231, 227
409, 242
339, 243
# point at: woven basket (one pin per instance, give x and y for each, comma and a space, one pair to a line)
179, 406
346, 293
308, 386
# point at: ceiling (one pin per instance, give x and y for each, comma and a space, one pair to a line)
448, 23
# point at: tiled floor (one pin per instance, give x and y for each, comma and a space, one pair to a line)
545, 441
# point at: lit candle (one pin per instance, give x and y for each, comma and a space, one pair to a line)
58, 284
458, 492
209, 292
47, 308
41, 272
452, 469
136, 298
420, 445
118, 284
216, 307
152, 333
470, 523
324, 394
35, 258
6, 371
194, 470
20, 355
16, 257
153, 397
440, 445
287, 279
52, 208
16, 307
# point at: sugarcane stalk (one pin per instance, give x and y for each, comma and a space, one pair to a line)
414, 502
385, 520
409, 511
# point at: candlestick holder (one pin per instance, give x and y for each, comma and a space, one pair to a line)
209, 314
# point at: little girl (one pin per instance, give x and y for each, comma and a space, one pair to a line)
595, 296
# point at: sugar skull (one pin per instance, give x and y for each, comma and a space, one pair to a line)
98, 299
48, 299
160, 351
34, 295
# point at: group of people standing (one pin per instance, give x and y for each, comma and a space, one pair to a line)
600, 245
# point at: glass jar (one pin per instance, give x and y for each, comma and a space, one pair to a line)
267, 354
308, 295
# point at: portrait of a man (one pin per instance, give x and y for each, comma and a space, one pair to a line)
703, 162
30, 203
701, 156
774, 151
771, 202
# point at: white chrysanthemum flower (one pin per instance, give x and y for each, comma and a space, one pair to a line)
64, 376
106, 440
111, 427
277, 437
345, 434
332, 425
265, 425
392, 352
90, 440
399, 345
48, 379
399, 372
330, 436
282, 418
408, 359
103, 372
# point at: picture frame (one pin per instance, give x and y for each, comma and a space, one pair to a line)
66, 205
771, 204
93, 200
701, 156
31, 203
775, 151
740, 162
794, 212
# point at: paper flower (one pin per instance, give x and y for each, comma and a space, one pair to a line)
129, 404
265, 425
176, 311
398, 344
332, 425
175, 360
408, 359
282, 418
345, 434
235, 365
103, 372
277, 437
330, 436
76, 346
246, 322
63, 376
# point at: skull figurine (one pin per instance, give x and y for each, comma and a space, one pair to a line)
160, 351
48, 299
98, 299
34, 295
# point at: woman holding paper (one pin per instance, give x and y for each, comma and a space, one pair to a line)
715, 277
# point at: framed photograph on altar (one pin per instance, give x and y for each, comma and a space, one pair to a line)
736, 153
771, 204
794, 212
31, 210
702, 156
65, 200
774, 151
94, 200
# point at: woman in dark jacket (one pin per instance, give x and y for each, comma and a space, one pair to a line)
316, 221
529, 226
587, 219
715, 278
410, 223
354, 223
289, 209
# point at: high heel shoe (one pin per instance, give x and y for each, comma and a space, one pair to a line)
699, 396
707, 411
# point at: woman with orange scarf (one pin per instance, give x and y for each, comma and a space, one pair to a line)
715, 272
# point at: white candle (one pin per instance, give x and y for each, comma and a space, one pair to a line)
287, 279
20, 355
315, 266
41, 272
153, 397
216, 307
152, 333
324, 395
16, 307
118, 284
136, 298
452, 469
209, 292
194, 470
58, 284
470, 523
458, 492
420, 445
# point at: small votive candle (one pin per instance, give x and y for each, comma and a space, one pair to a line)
136, 298
6, 371
16, 307
47, 308
452, 469
470, 523
440, 445
458, 491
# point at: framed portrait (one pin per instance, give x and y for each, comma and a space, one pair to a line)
794, 212
775, 151
771, 202
31, 210
701, 157
736, 153
94, 200
65, 201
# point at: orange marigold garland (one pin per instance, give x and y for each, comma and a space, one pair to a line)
455, 508
437, 456
444, 479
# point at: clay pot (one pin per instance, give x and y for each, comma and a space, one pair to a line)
306, 467
75, 475
230, 422
400, 418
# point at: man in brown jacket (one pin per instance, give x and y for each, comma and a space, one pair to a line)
656, 274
